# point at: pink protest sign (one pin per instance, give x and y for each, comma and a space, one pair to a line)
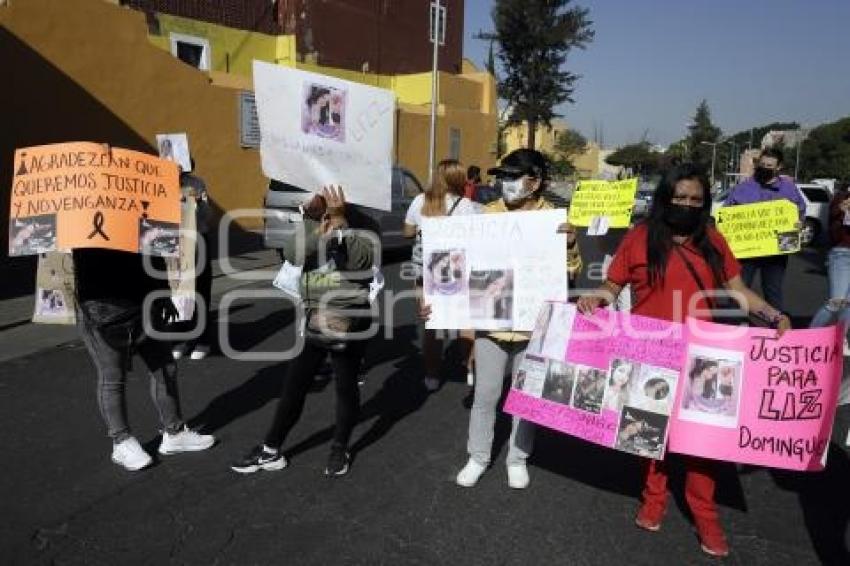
614, 386
756, 399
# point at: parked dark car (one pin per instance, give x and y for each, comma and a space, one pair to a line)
283, 215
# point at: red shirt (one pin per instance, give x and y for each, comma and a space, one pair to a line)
671, 298
469, 190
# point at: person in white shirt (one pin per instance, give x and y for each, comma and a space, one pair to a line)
443, 198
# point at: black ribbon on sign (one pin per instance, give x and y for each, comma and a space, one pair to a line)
97, 223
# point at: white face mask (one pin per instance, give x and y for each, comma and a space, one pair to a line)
513, 190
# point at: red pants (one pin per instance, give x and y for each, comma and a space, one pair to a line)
699, 489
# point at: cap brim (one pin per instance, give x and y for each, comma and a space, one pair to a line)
506, 170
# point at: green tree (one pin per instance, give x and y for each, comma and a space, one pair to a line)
533, 39
639, 157
570, 143
826, 152
702, 133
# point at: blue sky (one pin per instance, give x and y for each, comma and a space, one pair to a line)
652, 61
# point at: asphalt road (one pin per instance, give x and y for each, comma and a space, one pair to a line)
64, 502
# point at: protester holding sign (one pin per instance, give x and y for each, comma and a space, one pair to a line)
521, 176
336, 299
112, 287
670, 260
766, 184
194, 189
444, 198
837, 306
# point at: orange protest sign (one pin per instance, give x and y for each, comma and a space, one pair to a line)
88, 195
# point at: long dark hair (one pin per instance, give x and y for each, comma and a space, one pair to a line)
659, 236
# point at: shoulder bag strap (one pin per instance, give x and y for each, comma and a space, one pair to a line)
694, 274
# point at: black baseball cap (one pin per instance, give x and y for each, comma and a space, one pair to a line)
520, 162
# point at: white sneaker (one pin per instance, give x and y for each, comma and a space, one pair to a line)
431, 383
130, 454
200, 352
185, 440
470, 473
518, 476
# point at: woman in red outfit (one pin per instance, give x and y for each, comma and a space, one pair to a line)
669, 260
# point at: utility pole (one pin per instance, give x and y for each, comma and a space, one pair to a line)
800, 134
436, 25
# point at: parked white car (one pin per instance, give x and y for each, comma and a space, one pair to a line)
816, 222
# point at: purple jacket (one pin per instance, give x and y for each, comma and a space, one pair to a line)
750, 191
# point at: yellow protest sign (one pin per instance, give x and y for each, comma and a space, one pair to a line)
87, 195
613, 200
760, 229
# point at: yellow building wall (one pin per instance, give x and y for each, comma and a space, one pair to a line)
121, 86
231, 50
115, 87
467, 101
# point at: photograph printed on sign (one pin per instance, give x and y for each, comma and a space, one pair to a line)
641, 432
175, 147
712, 388
552, 330
50, 303
560, 380
621, 373
32, 235
159, 238
654, 389
323, 111
491, 296
788, 241
445, 273
589, 388
531, 376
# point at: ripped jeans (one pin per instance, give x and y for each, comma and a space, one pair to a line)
837, 306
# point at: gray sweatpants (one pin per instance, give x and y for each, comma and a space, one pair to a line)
112, 381
492, 359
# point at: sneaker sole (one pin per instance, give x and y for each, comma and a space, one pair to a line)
340, 473
713, 553
196, 448
270, 467
653, 528
133, 468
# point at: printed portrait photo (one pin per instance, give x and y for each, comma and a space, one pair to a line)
159, 238
620, 376
654, 389
32, 235
530, 375
445, 273
323, 111
788, 241
641, 432
175, 147
491, 295
589, 388
50, 303
552, 330
560, 379
713, 386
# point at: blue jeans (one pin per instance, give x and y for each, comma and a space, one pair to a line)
772, 270
836, 308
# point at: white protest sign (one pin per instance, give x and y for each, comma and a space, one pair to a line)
493, 271
317, 130
175, 147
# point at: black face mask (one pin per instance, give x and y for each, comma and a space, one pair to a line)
683, 220
763, 175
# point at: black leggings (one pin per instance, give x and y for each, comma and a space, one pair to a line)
296, 384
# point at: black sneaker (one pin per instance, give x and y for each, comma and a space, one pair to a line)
259, 458
337, 462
